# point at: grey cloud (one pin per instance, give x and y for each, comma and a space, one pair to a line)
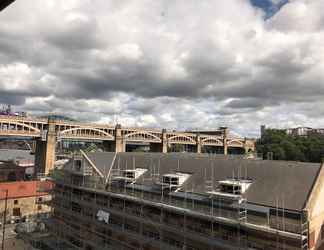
180, 64
75, 35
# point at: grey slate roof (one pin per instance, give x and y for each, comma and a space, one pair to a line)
288, 182
103, 161
15, 154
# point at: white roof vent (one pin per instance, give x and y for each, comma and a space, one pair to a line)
133, 174
176, 179
234, 186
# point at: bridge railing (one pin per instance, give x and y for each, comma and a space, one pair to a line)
22, 118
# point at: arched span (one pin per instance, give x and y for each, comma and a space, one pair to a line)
212, 141
89, 129
172, 139
142, 134
235, 143
23, 125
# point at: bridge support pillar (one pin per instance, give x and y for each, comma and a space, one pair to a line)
120, 144
225, 136
246, 147
40, 154
164, 141
33, 147
45, 150
199, 146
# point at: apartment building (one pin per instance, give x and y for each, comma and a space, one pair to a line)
187, 201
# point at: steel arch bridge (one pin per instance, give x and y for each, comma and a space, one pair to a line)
47, 132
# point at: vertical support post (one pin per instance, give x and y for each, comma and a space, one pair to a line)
4, 219
225, 136
120, 144
199, 146
246, 147
164, 141
50, 146
45, 149
33, 147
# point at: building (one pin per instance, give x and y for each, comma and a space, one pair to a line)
9, 171
188, 201
300, 131
16, 165
297, 132
305, 131
25, 199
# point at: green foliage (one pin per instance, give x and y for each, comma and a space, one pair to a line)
291, 148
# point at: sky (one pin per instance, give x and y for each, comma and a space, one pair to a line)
181, 64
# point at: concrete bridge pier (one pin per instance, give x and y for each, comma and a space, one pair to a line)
40, 154
199, 146
118, 145
45, 150
225, 136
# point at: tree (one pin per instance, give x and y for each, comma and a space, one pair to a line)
286, 147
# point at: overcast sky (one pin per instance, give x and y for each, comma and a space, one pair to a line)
174, 64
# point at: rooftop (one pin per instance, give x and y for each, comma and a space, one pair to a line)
289, 183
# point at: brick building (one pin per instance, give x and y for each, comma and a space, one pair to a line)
25, 199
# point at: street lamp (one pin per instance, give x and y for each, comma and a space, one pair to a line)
4, 219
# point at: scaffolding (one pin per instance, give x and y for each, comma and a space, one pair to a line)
304, 231
198, 216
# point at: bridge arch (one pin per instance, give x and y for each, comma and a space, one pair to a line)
182, 139
23, 125
235, 143
142, 135
84, 129
211, 141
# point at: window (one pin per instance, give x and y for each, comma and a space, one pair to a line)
16, 211
39, 207
130, 174
176, 179
16, 202
77, 165
322, 232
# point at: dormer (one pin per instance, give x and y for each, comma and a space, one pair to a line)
234, 186
176, 179
133, 174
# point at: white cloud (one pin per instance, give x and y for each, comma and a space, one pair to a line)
175, 64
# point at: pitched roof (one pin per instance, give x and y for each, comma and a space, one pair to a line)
103, 161
288, 182
15, 154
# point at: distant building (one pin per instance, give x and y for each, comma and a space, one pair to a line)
305, 131
298, 131
188, 201
25, 200
9, 171
16, 165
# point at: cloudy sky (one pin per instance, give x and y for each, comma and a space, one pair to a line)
174, 64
